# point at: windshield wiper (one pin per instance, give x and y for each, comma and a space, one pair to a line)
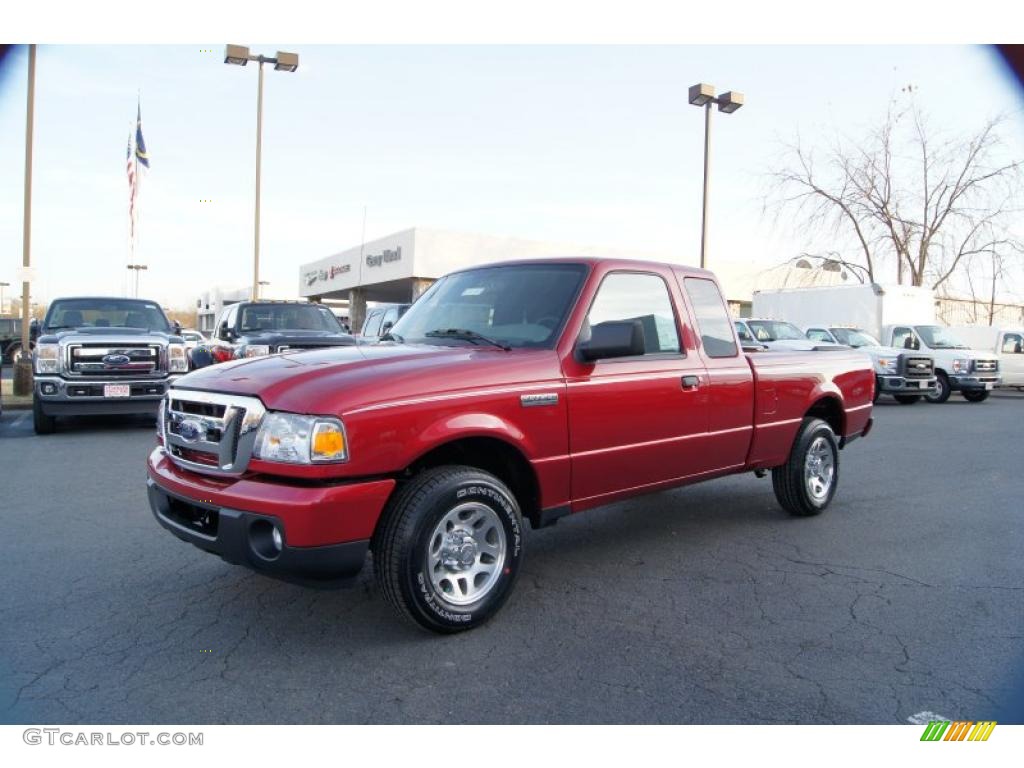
462, 333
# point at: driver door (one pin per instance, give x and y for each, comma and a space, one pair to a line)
637, 421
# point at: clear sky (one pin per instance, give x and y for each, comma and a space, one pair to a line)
576, 144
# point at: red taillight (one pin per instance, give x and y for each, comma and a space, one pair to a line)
222, 354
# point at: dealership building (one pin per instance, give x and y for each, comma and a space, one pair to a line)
401, 266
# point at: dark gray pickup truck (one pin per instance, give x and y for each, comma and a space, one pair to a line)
98, 355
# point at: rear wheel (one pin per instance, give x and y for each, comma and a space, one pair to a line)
449, 547
43, 424
942, 389
976, 395
907, 399
806, 483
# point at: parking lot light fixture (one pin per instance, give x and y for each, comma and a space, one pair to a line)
137, 268
703, 95
283, 62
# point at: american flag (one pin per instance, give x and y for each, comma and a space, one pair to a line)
132, 189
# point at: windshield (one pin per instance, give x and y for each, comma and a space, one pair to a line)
937, 337
522, 305
853, 337
287, 317
775, 330
106, 313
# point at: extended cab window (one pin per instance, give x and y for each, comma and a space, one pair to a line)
713, 322
643, 297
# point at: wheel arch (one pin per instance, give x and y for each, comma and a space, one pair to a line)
490, 453
829, 409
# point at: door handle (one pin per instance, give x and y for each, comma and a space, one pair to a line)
691, 382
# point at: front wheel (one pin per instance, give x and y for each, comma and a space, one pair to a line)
43, 424
907, 399
806, 483
942, 389
976, 395
449, 547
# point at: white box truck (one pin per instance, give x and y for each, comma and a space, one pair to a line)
901, 317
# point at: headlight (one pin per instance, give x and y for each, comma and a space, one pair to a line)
177, 358
887, 364
47, 358
256, 350
961, 366
296, 439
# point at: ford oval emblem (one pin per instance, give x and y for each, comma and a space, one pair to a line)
190, 431
116, 359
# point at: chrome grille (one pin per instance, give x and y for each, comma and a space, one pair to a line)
209, 432
917, 367
986, 366
115, 360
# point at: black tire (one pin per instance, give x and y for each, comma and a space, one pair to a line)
942, 390
43, 424
402, 543
790, 481
976, 395
907, 399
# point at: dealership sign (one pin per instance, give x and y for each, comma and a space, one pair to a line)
327, 273
384, 257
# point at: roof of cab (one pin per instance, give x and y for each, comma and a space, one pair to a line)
592, 261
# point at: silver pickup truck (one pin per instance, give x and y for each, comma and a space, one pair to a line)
905, 374
97, 356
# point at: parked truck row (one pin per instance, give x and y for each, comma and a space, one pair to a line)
912, 356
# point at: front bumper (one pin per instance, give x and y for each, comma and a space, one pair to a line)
974, 381
900, 385
84, 397
325, 529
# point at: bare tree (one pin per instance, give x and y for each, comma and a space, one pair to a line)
904, 199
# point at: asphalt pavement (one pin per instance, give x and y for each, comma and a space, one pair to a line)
702, 605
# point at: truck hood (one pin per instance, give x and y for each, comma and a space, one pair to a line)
108, 336
335, 380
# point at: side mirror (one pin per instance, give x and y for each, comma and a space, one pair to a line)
615, 338
224, 332
177, 328
386, 327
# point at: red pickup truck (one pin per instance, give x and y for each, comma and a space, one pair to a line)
518, 391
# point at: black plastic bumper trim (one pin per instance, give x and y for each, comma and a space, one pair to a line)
234, 543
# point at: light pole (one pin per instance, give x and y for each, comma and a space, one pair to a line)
283, 62
2, 286
137, 268
703, 95
23, 369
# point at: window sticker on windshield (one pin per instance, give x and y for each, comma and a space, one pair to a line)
150, 306
473, 291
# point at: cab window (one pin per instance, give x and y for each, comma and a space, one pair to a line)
638, 296
1013, 344
820, 334
372, 325
744, 333
713, 322
904, 338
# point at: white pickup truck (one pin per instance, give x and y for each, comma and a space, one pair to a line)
958, 368
1005, 343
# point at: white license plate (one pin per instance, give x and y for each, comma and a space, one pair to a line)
989, 385
117, 390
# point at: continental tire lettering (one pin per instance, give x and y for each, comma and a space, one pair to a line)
503, 503
430, 600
